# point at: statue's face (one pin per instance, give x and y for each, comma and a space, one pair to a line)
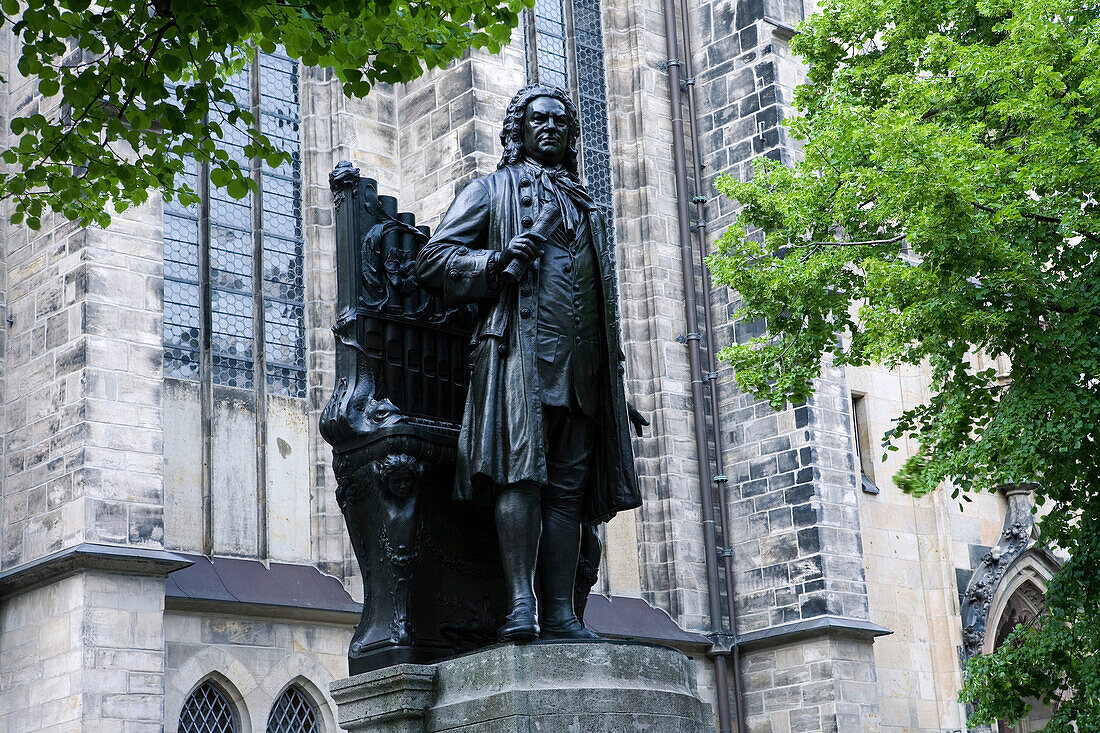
545, 131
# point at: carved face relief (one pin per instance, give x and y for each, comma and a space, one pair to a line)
400, 475
401, 482
545, 131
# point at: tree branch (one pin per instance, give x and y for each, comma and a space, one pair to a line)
866, 242
86, 111
145, 67
1040, 218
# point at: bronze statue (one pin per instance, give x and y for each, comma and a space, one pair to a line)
545, 431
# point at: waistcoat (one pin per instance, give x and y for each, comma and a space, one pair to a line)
568, 322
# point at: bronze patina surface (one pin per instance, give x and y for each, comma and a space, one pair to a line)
545, 430
478, 422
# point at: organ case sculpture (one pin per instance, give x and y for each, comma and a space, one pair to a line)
431, 569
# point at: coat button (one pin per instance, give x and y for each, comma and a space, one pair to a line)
454, 275
526, 200
527, 221
525, 290
525, 313
567, 269
525, 182
622, 370
463, 251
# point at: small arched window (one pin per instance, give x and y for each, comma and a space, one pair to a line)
293, 713
207, 710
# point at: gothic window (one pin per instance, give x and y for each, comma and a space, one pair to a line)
564, 44
240, 242
865, 451
207, 710
293, 713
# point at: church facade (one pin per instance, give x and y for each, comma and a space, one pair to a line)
172, 556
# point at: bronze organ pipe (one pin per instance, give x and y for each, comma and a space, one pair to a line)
412, 355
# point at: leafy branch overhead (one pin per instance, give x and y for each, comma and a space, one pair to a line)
944, 204
133, 88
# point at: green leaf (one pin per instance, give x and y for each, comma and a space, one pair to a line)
219, 176
237, 188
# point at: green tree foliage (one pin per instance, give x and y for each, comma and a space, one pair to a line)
946, 202
138, 85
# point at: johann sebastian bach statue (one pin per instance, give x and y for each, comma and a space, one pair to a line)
545, 433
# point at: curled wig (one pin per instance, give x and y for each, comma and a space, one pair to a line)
511, 135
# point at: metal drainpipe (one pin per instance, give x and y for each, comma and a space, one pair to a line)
695, 362
720, 477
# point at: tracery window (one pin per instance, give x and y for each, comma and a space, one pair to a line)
258, 238
564, 44
293, 713
208, 710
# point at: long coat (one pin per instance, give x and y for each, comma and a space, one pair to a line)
502, 440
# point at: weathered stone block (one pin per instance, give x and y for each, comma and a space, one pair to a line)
389, 700
550, 688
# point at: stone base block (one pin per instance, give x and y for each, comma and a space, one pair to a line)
552, 687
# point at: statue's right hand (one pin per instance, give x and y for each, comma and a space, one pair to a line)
521, 249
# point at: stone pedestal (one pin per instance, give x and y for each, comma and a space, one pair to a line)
553, 687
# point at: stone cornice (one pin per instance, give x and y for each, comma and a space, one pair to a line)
819, 626
88, 556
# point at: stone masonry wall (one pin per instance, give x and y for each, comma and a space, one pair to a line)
449, 127
253, 659
81, 403
911, 582
651, 293
44, 394
82, 461
822, 685
41, 659
5, 140
85, 654
82, 408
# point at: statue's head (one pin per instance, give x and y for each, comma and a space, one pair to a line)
541, 124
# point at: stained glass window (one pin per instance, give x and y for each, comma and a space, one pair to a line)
284, 285
565, 49
234, 297
207, 710
592, 92
553, 52
293, 713
181, 286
